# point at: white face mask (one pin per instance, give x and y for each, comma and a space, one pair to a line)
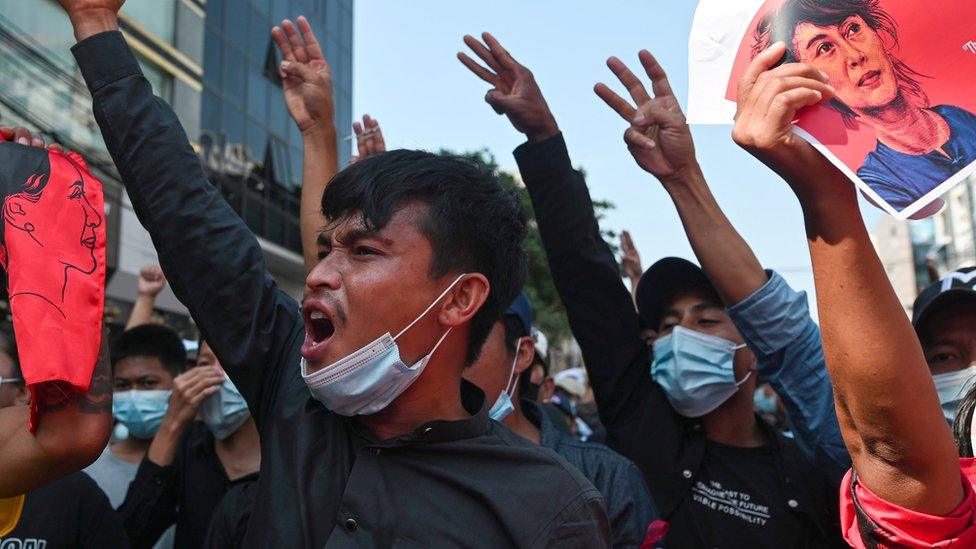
503, 404
369, 379
952, 388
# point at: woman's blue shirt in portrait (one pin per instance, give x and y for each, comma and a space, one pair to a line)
901, 179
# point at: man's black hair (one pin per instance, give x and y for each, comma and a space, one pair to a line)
151, 340
472, 223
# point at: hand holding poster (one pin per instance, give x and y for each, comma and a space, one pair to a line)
902, 125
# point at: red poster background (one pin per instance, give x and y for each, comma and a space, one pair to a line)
931, 36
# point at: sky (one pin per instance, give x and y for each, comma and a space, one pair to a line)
406, 75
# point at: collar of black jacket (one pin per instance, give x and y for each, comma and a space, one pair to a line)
440, 430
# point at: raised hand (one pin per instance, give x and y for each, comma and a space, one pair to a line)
768, 100
369, 139
151, 280
630, 261
306, 76
514, 91
658, 136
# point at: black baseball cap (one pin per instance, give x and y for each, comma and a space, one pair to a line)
522, 309
664, 281
955, 287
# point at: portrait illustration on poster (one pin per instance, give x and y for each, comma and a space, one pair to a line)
902, 125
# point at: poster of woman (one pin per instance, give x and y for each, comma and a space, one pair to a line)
902, 125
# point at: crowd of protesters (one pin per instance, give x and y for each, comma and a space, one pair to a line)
410, 400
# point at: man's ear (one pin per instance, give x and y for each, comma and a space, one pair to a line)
526, 354
15, 208
465, 300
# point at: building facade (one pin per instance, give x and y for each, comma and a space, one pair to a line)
916, 253
210, 60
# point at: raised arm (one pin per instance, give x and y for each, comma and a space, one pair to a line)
212, 261
772, 318
151, 282
886, 402
630, 262
307, 82
600, 309
70, 436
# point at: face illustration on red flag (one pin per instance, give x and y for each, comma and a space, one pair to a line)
53, 253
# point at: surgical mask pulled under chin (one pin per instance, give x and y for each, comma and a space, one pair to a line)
952, 388
140, 411
503, 404
224, 411
695, 370
369, 379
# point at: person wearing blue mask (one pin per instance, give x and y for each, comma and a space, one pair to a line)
145, 362
686, 418
190, 465
504, 369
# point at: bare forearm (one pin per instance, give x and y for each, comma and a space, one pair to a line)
142, 311
162, 451
724, 256
886, 402
321, 163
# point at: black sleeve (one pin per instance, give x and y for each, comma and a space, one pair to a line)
212, 261
150, 504
601, 311
99, 526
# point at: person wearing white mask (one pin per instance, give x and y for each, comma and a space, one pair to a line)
367, 439
191, 464
503, 368
944, 316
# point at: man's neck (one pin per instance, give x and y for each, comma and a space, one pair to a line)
240, 453
435, 395
130, 450
734, 424
520, 425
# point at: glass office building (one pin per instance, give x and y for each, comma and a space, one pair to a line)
213, 61
251, 147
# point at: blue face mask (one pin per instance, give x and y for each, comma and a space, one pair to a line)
140, 411
764, 403
503, 404
224, 411
695, 370
371, 378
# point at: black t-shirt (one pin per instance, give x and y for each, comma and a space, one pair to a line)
69, 512
229, 521
737, 499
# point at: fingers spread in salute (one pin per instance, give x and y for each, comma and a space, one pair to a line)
658, 136
306, 76
514, 91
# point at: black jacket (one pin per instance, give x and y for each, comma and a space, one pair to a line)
325, 480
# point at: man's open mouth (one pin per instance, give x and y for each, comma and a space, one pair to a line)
319, 329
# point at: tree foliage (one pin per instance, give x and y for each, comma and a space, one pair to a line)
550, 316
